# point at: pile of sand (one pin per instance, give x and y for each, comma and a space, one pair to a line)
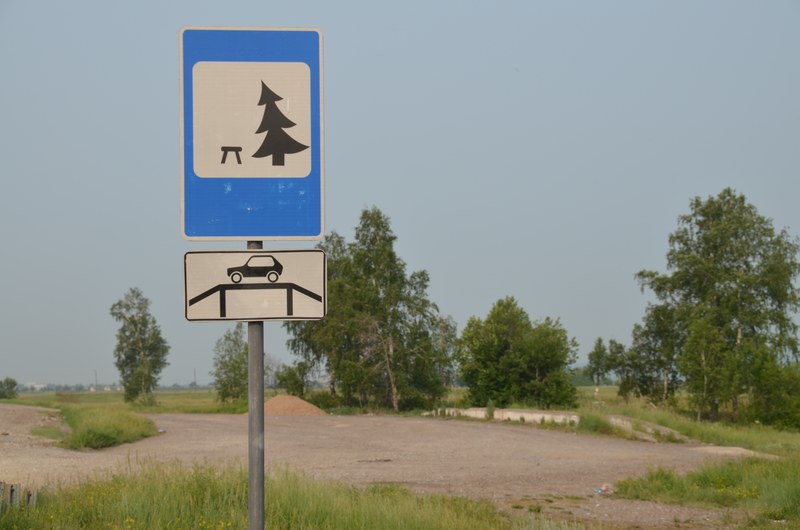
290, 406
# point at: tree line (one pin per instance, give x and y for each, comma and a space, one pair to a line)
721, 328
385, 343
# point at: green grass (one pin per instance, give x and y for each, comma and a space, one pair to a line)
598, 424
755, 437
188, 402
766, 489
172, 497
103, 419
97, 427
95, 420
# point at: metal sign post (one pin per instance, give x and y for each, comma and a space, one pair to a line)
255, 419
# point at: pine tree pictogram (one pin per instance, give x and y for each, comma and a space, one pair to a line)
277, 143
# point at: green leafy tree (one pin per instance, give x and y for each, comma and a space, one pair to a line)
654, 344
627, 368
330, 343
230, 364
648, 368
8, 388
383, 341
507, 358
141, 351
581, 378
598, 365
294, 379
379, 289
729, 302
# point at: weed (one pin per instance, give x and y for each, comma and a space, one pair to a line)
98, 427
768, 488
596, 424
169, 496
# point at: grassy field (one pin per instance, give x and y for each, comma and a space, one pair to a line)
207, 498
103, 419
755, 437
189, 402
767, 491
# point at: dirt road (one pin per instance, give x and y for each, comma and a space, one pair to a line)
512, 465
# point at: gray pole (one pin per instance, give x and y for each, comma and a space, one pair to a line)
255, 419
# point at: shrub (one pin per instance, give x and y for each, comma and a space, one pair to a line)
490, 410
324, 400
8, 388
595, 424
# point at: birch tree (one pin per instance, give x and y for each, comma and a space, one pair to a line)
141, 351
731, 299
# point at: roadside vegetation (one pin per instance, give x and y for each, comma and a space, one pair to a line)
187, 402
766, 491
91, 423
105, 419
96, 427
159, 496
756, 437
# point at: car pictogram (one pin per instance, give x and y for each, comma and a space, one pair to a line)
260, 265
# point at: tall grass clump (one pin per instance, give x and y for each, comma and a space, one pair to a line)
766, 487
168, 496
756, 437
97, 427
598, 424
595, 423
103, 419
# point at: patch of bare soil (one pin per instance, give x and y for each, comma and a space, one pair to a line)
291, 406
518, 467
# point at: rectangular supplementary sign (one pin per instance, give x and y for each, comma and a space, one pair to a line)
251, 134
255, 285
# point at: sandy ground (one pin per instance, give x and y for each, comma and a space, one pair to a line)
512, 465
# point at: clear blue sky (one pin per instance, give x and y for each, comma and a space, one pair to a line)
537, 149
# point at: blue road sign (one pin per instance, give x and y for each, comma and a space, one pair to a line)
252, 143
